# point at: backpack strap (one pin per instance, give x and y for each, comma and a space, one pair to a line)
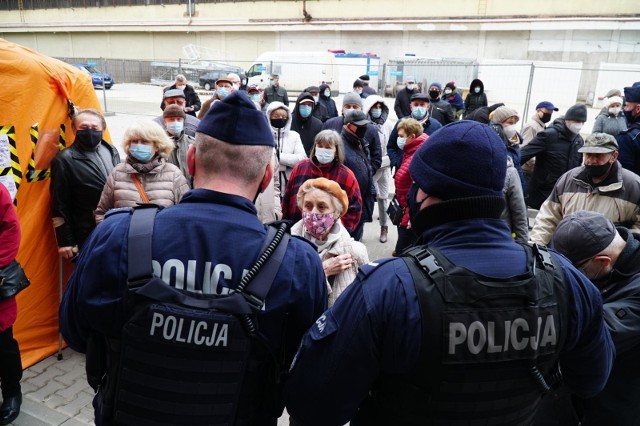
140, 266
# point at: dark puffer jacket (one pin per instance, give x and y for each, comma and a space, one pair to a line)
328, 103
474, 100
308, 127
556, 151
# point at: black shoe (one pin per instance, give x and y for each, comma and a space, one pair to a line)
10, 409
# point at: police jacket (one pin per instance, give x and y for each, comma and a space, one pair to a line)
556, 151
374, 328
629, 142
76, 184
202, 244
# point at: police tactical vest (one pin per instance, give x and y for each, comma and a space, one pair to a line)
182, 356
488, 345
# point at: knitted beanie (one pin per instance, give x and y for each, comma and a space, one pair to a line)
463, 159
436, 84
326, 185
352, 98
504, 112
578, 112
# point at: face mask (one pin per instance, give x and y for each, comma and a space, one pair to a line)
181, 87
244, 82
598, 171
434, 94
358, 91
414, 205
509, 131
447, 91
141, 152
401, 142
222, 92
305, 110
476, 90
175, 127
278, 123
325, 155
418, 113
270, 82
318, 224
89, 139
575, 127
256, 97
316, 98
376, 112
411, 86
327, 93
615, 110
546, 117
361, 131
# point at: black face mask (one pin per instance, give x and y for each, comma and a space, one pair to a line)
278, 123
546, 117
361, 131
434, 94
414, 205
88, 139
598, 171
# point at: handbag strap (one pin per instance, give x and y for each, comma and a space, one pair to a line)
143, 195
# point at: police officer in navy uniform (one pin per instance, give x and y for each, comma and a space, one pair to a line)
205, 244
478, 340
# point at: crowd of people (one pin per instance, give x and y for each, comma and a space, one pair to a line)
379, 337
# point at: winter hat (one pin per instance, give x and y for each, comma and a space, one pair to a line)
463, 159
614, 100
582, 235
451, 85
613, 92
329, 186
578, 112
236, 120
599, 143
436, 84
364, 77
504, 112
352, 98
173, 93
358, 83
632, 94
173, 110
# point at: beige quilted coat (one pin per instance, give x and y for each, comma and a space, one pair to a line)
164, 184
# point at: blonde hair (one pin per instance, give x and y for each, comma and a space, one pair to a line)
411, 127
149, 131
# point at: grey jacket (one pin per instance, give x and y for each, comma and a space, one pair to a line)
609, 123
515, 210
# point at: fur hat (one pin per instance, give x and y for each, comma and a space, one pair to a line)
463, 159
236, 120
578, 112
173, 110
614, 100
329, 186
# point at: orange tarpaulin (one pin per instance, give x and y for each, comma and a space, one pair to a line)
34, 126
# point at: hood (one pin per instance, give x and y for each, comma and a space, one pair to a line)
477, 82
276, 105
303, 95
370, 101
324, 87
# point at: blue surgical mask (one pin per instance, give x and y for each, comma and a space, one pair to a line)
305, 111
256, 97
401, 142
376, 112
222, 92
327, 93
316, 98
325, 155
175, 127
476, 90
418, 113
141, 152
358, 91
411, 86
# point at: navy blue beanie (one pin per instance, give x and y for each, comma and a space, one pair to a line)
236, 120
632, 94
462, 159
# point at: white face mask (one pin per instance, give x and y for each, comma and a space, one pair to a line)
181, 87
510, 130
615, 110
411, 86
325, 155
575, 127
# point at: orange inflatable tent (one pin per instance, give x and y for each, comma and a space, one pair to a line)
37, 94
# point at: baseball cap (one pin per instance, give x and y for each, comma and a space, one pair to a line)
173, 93
356, 117
582, 235
599, 143
547, 105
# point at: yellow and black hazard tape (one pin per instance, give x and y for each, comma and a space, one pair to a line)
14, 168
33, 174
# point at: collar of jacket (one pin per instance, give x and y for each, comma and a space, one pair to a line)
79, 154
613, 182
628, 262
200, 195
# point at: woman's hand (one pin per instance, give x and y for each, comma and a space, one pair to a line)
337, 264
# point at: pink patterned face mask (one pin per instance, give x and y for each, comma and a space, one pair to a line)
318, 224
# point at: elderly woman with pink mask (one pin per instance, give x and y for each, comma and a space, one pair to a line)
322, 203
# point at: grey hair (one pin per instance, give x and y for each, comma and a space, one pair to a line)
332, 137
337, 205
88, 111
181, 78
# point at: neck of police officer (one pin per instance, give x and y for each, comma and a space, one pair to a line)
447, 211
226, 185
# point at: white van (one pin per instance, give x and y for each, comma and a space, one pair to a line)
297, 70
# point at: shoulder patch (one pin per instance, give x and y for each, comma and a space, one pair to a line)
119, 210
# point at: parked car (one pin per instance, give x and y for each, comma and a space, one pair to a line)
208, 80
99, 79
